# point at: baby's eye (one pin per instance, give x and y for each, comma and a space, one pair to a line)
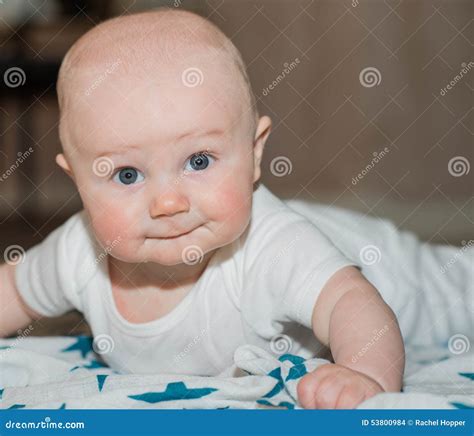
198, 162
128, 176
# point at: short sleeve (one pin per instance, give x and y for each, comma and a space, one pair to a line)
287, 262
45, 277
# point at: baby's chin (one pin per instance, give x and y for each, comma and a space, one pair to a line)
163, 252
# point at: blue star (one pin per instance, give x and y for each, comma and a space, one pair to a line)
83, 344
17, 406
276, 373
174, 391
298, 370
63, 406
469, 375
461, 405
1, 393
295, 360
101, 380
285, 404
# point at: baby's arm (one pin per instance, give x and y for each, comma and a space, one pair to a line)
365, 340
14, 313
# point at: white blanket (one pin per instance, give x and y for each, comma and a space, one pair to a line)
65, 372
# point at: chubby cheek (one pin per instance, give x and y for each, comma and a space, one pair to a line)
230, 210
115, 228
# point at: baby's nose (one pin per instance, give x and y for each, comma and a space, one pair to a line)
168, 203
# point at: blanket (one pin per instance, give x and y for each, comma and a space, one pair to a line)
67, 373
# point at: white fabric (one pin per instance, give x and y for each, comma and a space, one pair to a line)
262, 285
44, 373
430, 287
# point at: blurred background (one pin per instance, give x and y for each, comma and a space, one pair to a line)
371, 102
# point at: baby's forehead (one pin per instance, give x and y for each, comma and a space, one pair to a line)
178, 70
130, 109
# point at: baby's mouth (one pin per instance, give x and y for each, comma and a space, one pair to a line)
174, 236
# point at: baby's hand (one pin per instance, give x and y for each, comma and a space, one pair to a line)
333, 386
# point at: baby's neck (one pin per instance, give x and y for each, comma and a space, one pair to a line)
152, 274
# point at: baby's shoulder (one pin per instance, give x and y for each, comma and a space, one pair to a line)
272, 217
78, 252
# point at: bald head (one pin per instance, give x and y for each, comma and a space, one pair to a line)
147, 43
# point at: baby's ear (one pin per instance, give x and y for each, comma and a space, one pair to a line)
63, 163
264, 128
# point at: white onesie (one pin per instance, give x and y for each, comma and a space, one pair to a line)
262, 285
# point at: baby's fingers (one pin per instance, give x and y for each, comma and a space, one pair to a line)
319, 390
349, 397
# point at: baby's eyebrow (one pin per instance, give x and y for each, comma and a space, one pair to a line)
122, 149
200, 134
119, 150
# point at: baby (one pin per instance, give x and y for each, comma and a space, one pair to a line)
177, 240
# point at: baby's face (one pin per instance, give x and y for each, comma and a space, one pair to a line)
163, 169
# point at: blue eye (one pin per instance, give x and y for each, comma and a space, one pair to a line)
128, 176
198, 162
